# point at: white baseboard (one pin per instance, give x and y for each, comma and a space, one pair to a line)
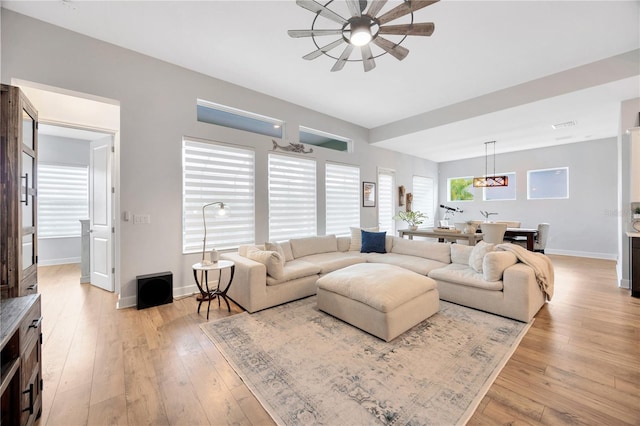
624, 283
590, 255
65, 261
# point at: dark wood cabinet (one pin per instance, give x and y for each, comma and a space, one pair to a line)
21, 346
634, 264
18, 194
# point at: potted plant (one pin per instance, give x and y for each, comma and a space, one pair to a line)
486, 215
413, 218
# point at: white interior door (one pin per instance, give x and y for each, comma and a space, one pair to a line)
100, 202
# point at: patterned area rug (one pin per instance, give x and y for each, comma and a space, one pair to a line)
306, 367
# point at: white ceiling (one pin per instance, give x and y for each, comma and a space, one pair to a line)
492, 70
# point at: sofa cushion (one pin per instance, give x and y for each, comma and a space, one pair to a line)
416, 264
286, 247
373, 242
495, 263
383, 287
344, 243
356, 237
477, 255
301, 247
464, 275
329, 262
294, 269
460, 253
271, 259
427, 249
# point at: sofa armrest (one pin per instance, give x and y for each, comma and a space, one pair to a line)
248, 288
522, 291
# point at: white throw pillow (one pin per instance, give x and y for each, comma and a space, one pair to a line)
271, 259
275, 247
477, 255
495, 263
460, 253
356, 237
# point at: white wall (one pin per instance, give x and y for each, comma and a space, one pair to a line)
62, 151
158, 108
585, 224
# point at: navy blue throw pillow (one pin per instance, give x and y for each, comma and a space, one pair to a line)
373, 242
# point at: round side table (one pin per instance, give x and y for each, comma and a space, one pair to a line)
207, 294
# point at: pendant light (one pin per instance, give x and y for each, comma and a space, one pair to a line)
490, 181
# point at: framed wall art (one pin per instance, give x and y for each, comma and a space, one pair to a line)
368, 194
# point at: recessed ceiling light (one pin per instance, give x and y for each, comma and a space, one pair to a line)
563, 125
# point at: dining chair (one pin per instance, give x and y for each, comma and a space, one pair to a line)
540, 242
493, 232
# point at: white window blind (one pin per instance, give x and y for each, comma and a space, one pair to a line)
423, 198
342, 185
63, 199
215, 172
386, 211
292, 197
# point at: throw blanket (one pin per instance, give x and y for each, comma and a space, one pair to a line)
540, 263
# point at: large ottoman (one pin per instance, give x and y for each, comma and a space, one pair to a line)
384, 300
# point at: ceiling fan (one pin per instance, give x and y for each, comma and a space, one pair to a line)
364, 28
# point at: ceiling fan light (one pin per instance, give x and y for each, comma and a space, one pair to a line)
360, 32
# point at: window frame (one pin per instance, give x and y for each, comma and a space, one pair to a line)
44, 200
220, 181
348, 212
277, 232
566, 183
277, 124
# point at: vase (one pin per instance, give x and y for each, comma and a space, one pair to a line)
215, 256
469, 229
413, 227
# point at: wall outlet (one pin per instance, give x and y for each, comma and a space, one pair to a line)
141, 218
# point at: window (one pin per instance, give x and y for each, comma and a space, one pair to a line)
212, 113
292, 197
548, 183
63, 199
502, 192
460, 189
324, 139
423, 198
342, 185
216, 172
386, 205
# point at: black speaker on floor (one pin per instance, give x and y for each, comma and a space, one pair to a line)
155, 289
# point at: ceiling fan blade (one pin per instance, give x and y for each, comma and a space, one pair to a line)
343, 58
317, 53
376, 6
321, 10
393, 49
310, 33
367, 58
404, 9
422, 29
354, 7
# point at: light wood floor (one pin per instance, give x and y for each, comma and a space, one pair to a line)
578, 364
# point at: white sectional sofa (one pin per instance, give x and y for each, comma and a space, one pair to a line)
479, 277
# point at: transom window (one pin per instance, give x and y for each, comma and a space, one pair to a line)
548, 183
325, 140
221, 115
502, 192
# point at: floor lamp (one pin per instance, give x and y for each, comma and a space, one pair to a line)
220, 212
